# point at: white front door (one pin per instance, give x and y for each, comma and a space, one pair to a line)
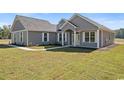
78, 39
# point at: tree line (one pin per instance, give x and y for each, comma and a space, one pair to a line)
5, 32
119, 33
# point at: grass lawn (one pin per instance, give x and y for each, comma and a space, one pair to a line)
67, 63
119, 41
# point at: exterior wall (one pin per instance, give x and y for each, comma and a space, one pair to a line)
83, 24
17, 38
25, 38
35, 38
68, 27
69, 38
87, 44
17, 26
108, 38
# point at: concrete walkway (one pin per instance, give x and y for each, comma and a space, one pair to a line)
29, 49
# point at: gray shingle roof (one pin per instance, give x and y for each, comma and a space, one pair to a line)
33, 24
93, 22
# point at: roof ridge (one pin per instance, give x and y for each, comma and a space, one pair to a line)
34, 18
91, 21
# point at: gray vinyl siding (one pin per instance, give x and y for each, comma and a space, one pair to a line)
35, 38
18, 26
24, 37
83, 24
68, 27
17, 38
89, 45
108, 38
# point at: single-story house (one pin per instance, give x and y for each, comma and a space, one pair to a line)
78, 31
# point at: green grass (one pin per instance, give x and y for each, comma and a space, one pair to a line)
68, 63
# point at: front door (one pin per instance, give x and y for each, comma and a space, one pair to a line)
77, 39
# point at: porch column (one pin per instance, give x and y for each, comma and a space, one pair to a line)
97, 38
12, 37
74, 38
27, 37
102, 38
62, 38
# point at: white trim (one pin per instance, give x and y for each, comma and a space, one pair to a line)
89, 37
83, 34
62, 38
91, 21
19, 36
22, 37
47, 37
12, 37
42, 36
27, 37
65, 36
65, 24
97, 38
74, 38
18, 31
58, 37
101, 38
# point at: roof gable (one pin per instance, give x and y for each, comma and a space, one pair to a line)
91, 21
65, 22
33, 24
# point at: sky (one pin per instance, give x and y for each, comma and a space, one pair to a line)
110, 20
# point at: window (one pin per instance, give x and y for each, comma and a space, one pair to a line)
60, 37
21, 38
86, 36
92, 36
45, 37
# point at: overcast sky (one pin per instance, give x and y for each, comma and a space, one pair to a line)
111, 20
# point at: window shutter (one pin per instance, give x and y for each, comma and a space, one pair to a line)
58, 37
47, 37
42, 37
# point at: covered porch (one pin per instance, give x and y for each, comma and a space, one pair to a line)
80, 38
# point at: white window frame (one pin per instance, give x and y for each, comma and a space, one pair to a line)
95, 38
21, 36
43, 39
89, 37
